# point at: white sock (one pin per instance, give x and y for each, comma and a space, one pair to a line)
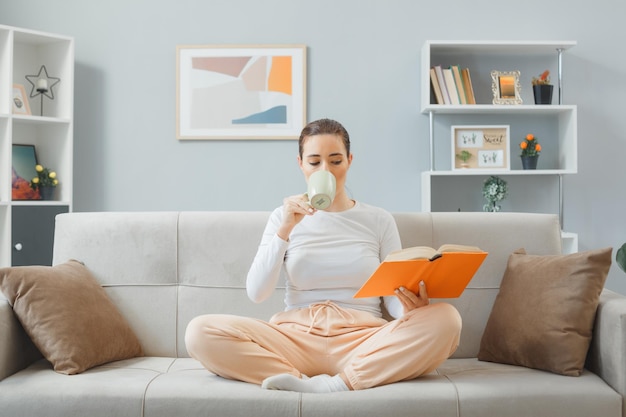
317, 384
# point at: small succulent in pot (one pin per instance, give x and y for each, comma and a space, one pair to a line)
620, 257
543, 79
530, 146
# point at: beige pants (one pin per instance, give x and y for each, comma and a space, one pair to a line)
326, 339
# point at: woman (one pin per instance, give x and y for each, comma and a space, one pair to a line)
325, 340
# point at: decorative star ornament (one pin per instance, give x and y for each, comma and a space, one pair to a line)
50, 81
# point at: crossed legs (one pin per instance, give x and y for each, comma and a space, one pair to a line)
362, 351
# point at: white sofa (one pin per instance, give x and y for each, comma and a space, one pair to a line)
163, 268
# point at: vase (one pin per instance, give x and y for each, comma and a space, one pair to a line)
530, 162
491, 206
543, 93
46, 193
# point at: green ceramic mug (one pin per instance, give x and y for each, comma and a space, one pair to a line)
321, 189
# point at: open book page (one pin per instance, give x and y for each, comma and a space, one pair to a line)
425, 252
452, 247
416, 252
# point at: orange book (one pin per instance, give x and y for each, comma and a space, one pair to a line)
445, 271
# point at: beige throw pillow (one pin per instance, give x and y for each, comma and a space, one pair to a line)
543, 315
68, 316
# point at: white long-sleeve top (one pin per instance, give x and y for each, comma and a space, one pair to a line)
328, 257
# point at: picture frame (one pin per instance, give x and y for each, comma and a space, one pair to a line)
20, 100
487, 146
240, 91
506, 87
24, 159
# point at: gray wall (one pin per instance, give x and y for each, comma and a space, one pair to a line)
363, 69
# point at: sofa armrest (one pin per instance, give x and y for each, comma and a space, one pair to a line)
607, 353
16, 349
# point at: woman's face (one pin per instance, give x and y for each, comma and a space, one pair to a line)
325, 152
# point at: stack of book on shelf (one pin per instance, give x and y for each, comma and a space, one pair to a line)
452, 85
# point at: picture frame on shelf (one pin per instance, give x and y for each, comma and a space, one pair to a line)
506, 87
240, 91
24, 161
20, 100
481, 147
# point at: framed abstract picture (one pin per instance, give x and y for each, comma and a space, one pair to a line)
240, 92
24, 159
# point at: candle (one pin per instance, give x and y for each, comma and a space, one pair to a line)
42, 84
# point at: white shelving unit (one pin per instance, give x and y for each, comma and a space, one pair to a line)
555, 125
23, 52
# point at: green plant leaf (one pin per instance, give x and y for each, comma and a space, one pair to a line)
620, 257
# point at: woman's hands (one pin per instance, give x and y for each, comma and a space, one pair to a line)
294, 210
410, 301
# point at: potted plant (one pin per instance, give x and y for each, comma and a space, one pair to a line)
542, 89
620, 257
494, 190
530, 152
45, 182
464, 156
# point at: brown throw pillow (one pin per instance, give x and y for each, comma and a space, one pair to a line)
543, 315
68, 316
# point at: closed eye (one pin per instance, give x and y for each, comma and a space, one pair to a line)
316, 163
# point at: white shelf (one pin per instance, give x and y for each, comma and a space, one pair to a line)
23, 52
496, 109
495, 47
39, 120
557, 122
467, 172
560, 155
529, 57
41, 203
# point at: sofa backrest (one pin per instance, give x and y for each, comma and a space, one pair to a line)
164, 268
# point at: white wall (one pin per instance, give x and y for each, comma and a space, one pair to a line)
363, 70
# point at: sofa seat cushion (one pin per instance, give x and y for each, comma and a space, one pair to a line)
143, 386
471, 388
160, 387
188, 389
68, 316
115, 389
494, 389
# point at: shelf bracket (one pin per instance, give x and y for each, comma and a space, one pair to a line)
560, 73
431, 143
561, 200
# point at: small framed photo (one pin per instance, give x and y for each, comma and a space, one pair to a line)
20, 100
480, 147
228, 92
506, 87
